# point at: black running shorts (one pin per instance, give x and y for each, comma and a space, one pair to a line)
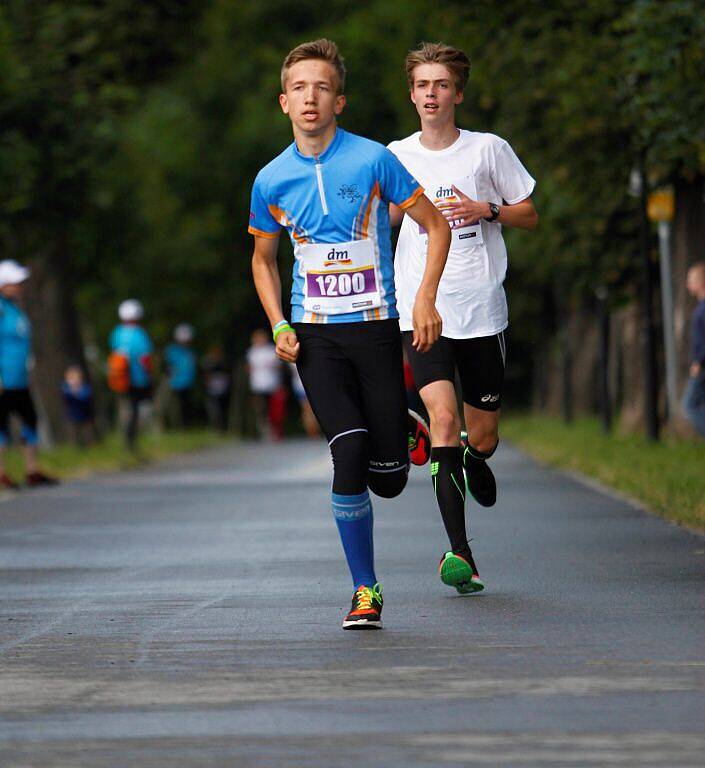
479, 362
354, 378
19, 402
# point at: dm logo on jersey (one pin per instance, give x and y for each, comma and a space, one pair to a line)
349, 193
336, 258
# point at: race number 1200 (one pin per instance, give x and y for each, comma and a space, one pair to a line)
340, 285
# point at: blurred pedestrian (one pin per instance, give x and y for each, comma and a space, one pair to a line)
218, 383
77, 395
308, 419
694, 397
130, 367
181, 362
266, 384
15, 397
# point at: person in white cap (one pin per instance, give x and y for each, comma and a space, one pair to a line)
15, 397
181, 362
131, 345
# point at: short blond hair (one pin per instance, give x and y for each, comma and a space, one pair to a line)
698, 269
323, 50
455, 60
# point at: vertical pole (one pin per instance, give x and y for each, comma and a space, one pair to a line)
649, 335
669, 335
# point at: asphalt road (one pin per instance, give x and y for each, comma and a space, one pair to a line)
189, 615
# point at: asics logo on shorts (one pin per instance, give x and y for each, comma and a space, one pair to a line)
489, 398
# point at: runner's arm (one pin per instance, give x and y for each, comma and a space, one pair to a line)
426, 320
521, 215
269, 289
395, 215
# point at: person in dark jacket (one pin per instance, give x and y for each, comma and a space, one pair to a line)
77, 395
694, 397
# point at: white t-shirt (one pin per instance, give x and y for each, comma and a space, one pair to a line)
471, 298
265, 369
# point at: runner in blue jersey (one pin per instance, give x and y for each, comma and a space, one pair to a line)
15, 352
330, 190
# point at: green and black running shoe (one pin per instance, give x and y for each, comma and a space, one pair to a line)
366, 609
461, 573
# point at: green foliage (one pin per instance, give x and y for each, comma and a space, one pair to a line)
667, 477
137, 130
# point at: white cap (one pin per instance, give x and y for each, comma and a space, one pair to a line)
130, 311
184, 333
12, 273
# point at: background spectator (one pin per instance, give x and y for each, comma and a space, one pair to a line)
130, 367
218, 383
79, 406
181, 362
15, 397
694, 397
266, 384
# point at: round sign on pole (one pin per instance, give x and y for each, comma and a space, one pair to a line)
661, 205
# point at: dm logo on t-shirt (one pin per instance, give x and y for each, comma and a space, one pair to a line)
441, 198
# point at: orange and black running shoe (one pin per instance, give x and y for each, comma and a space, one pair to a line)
419, 439
366, 609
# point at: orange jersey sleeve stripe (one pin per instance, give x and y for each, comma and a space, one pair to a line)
411, 200
262, 233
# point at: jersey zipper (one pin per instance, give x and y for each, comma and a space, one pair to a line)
321, 190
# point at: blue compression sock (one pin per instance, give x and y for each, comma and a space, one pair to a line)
353, 516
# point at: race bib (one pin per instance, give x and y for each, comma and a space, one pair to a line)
464, 235
339, 277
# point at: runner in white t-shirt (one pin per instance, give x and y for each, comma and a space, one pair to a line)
479, 184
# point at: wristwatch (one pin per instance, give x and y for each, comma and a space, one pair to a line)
494, 209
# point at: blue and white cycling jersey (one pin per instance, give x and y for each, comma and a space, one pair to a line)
15, 346
339, 198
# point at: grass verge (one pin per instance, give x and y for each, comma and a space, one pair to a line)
110, 453
668, 477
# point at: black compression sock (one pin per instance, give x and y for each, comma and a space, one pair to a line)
475, 454
449, 487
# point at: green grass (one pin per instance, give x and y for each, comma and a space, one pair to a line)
110, 453
667, 477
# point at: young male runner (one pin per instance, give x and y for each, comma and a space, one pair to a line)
478, 183
331, 189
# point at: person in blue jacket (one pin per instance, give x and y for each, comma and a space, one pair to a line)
15, 397
131, 339
181, 363
694, 397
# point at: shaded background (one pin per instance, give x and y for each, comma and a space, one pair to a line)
131, 132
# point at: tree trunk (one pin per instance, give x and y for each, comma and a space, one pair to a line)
55, 332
